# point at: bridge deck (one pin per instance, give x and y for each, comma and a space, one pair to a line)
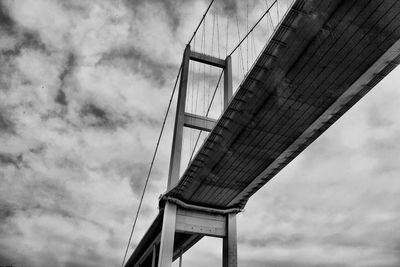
293, 93
335, 52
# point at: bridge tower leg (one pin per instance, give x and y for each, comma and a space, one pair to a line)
169, 226
229, 243
167, 236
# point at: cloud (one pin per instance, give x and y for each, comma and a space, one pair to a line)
6, 125
6, 22
10, 160
151, 69
68, 70
94, 116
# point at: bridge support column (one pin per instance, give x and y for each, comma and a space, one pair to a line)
167, 236
229, 245
176, 151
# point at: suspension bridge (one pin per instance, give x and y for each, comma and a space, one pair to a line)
319, 60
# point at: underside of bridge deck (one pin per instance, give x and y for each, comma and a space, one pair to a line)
322, 59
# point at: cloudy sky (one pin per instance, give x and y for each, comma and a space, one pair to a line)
83, 89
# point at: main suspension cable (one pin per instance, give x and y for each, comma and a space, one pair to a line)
151, 166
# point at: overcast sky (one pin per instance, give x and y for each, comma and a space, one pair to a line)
83, 89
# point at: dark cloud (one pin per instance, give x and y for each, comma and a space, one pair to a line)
6, 71
96, 111
7, 67
6, 125
38, 150
6, 23
59, 207
233, 8
136, 61
69, 67
229, 7
6, 159
171, 8
64, 77
94, 116
69, 163
32, 40
50, 198
27, 39
39, 209
6, 212
24, 39
76, 8
61, 97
